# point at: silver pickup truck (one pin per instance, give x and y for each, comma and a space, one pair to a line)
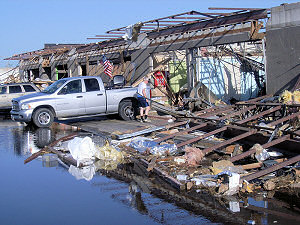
76, 97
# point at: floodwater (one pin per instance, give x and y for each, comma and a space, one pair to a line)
45, 192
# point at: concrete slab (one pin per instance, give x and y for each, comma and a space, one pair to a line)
107, 126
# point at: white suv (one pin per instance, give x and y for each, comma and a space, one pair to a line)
10, 91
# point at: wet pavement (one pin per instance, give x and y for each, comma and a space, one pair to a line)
44, 192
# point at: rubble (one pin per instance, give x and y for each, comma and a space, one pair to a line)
202, 151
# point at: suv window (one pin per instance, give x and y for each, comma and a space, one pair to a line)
28, 88
91, 84
72, 87
15, 89
3, 90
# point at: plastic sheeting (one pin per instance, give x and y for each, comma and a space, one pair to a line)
86, 173
143, 144
82, 149
108, 152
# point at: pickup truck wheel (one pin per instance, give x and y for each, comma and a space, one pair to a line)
43, 117
126, 110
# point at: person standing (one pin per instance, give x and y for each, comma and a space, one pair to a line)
143, 102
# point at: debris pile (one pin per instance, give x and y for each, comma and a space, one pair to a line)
226, 149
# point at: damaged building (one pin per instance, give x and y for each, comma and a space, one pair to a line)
235, 54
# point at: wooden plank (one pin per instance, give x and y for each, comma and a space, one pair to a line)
181, 132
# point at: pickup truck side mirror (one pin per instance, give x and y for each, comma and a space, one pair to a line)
118, 80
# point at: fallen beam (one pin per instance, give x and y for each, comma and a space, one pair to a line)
171, 180
271, 169
259, 164
237, 113
149, 130
289, 117
214, 113
267, 145
266, 112
181, 132
229, 141
47, 148
212, 110
202, 136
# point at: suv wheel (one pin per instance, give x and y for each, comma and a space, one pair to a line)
127, 110
43, 117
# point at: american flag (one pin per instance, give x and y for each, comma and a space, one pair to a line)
108, 67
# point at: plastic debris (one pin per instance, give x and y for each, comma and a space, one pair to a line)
108, 152
86, 173
182, 177
142, 144
165, 149
82, 149
179, 160
106, 164
262, 156
234, 206
205, 180
145, 144
233, 182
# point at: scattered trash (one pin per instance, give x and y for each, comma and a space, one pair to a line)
82, 149
142, 144
86, 173
179, 160
146, 144
108, 152
164, 149
233, 181
269, 185
205, 180
234, 206
225, 165
193, 156
261, 154
182, 177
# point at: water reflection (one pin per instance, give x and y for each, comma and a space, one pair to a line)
130, 185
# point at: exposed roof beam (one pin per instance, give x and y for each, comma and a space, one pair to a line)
218, 8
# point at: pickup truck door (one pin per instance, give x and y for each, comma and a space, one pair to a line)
70, 100
95, 99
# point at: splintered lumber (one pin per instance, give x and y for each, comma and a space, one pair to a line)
171, 180
46, 149
289, 117
68, 159
151, 129
271, 169
259, 164
267, 145
216, 112
237, 113
181, 132
202, 136
258, 115
229, 141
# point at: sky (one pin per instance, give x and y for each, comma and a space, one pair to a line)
26, 25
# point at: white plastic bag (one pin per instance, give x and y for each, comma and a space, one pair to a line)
86, 172
82, 149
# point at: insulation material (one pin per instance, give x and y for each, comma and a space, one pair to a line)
108, 152
288, 97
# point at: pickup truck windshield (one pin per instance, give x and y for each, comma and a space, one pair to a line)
53, 87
